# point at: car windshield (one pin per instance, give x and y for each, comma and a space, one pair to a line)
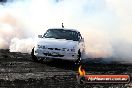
62, 34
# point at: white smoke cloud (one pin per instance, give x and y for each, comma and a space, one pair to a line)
21, 45
105, 24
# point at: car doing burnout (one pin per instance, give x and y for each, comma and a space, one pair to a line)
59, 43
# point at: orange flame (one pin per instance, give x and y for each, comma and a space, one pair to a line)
81, 71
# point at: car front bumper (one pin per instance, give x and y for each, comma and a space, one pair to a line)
65, 55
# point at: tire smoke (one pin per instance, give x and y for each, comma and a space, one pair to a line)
105, 24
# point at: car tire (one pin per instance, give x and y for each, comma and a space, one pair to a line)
34, 58
78, 61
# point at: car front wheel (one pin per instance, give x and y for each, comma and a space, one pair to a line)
78, 61
34, 58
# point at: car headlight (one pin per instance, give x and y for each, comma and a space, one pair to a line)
66, 49
72, 50
42, 47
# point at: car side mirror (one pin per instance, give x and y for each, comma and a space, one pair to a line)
82, 40
40, 36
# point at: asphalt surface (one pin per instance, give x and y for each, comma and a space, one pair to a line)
18, 70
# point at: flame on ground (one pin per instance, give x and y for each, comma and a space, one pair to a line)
81, 71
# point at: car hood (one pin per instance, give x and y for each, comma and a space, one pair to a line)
57, 43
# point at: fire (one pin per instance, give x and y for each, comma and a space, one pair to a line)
81, 71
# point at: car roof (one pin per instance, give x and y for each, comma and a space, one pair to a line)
65, 29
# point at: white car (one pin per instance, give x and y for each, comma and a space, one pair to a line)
59, 43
